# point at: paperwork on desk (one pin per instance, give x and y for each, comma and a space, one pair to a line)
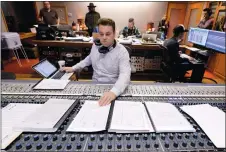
78, 38
47, 117
91, 118
13, 115
190, 48
130, 117
125, 40
211, 120
167, 118
52, 84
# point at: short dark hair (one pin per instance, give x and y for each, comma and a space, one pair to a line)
106, 22
131, 19
208, 10
45, 2
178, 30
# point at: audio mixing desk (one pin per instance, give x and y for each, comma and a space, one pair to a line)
176, 94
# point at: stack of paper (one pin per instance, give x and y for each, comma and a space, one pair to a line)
167, 118
47, 117
52, 84
130, 117
91, 118
13, 115
211, 120
125, 40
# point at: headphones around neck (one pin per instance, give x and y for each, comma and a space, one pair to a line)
103, 49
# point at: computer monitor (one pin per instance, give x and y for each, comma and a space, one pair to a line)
149, 37
45, 32
158, 34
198, 36
216, 41
64, 28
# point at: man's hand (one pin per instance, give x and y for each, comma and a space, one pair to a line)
107, 98
67, 69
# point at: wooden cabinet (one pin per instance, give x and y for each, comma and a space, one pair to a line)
216, 65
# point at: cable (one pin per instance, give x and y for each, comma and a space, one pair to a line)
210, 79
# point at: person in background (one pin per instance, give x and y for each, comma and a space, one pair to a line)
180, 65
110, 61
131, 30
91, 18
206, 21
163, 26
48, 16
224, 26
220, 24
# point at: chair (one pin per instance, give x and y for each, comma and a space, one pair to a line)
8, 75
169, 70
11, 41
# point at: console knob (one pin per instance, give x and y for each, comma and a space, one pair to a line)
119, 146
90, 146
79, 146
18, 146
28, 146
39, 146
69, 146
128, 146
72, 137
26, 138
59, 146
49, 146
147, 145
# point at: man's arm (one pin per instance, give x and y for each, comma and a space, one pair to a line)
86, 21
138, 34
206, 24
84, 63
122, 82
124, 74
57, 17
40, 16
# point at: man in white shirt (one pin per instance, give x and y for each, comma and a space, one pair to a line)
110, 61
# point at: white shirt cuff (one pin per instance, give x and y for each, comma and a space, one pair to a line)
115, 91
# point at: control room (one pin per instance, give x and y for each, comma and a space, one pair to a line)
113, 76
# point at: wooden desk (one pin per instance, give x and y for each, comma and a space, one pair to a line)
77, 44
26, 35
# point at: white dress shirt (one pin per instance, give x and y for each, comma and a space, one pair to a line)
112, 67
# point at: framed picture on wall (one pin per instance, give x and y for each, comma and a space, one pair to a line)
62, 13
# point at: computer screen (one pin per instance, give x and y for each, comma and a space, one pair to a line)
45, 68
198, 36
216, 41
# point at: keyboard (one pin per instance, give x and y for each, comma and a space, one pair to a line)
58, 75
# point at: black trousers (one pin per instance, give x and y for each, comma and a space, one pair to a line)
198, 70
90, 31
179, 70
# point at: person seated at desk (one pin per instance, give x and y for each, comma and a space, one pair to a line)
110, 61
131, 30
179, 65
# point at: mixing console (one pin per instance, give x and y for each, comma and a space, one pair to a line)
75, 88
178, 94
